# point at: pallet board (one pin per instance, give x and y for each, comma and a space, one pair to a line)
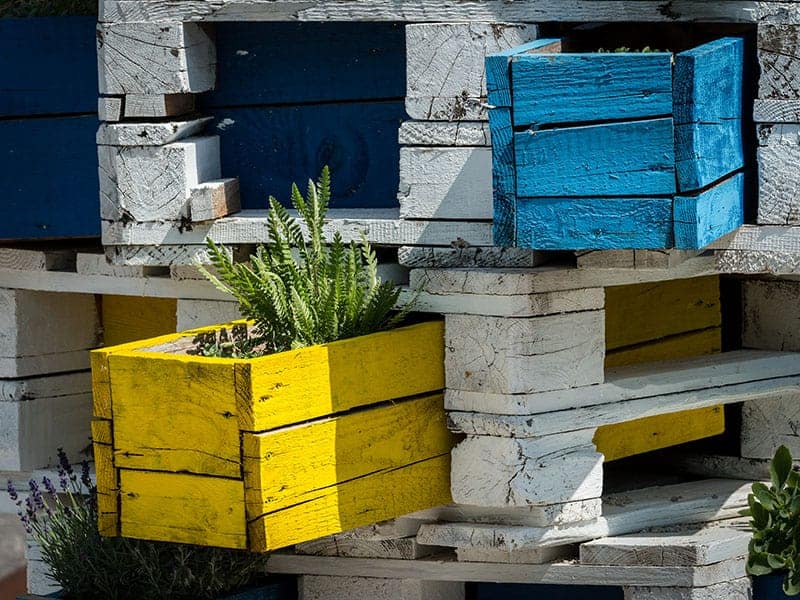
616, 150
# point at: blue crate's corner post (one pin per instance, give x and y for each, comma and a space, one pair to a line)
163, 169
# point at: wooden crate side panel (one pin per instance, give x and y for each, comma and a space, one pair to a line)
106, 478
101, 384
570, 88
704, 218
49, 66
362, 501
131, 318
503, 177
191, 509
707, 152
175, 413
593, 223
653, 433
498, 69
290, 466
616, 159
650, 312
320, 380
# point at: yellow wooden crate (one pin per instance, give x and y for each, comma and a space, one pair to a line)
661, 321
268, 452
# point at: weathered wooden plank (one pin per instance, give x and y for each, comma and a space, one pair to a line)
444, 133
576, 161
322, 587
523, 355
580, 88
740, 588
215, 199
155, 58
320, 380
671, 382
110, 108
46, 259
95, 263
771, 315
105, 478
693, 343
39, 415
454, 257
625, 512
201, 313
630, 438
196, 431
524, 305
445, 71
148, 106
72, 323
769, 424
416, 486
778, 181
537, 556
776, 111
684, 305
37, 79
440, 10
504, 178
278, 474
337, 545
755, 262
445, 183
594, 223
716, 465
632, 259
208, 511
131, 318
779, 58
148, 134
669, 549
700, 219
761, 238
507, 472
49, 176
380, 226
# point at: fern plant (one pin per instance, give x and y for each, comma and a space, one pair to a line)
301, 291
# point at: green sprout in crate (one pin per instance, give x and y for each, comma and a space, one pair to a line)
299, 290
775, 513
62, 518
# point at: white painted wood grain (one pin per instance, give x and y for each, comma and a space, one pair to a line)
675, 381
754, 262
524, 355
155, 58
717, 465
736, 589
214, 199
776, 111
454, 257
154, 183
445, 66
444, 133
778, 177
109, 108
336, 545
768, 424
522, 305
199, 313
535, 556
505, 472
445, 183
745, 11
148, 134
45, 259
148, 106
95, 263
779, 58
322, 587
771, 315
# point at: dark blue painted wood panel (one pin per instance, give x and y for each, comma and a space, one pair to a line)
570, 88
594, 223
770, 587
518, 591
48, 176
503, 177
48, 66
294, 63
701, 219
269, 148
616, 159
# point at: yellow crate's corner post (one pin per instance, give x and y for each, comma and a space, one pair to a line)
106, 478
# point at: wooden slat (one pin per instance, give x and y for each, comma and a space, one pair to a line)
320, 380
617, 159
715, 212
571, 88
130, 318
693, 343
106, 478
191, 509
356, 503
593, 223
175, 413
504, 181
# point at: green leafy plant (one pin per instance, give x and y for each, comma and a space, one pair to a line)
775, 513
62, 518
301, 291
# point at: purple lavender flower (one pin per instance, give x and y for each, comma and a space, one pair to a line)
36, 493
30, 509
25, 521
48, 485
85, 479
12, 491
64, 464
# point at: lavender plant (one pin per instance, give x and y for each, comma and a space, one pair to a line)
62, 518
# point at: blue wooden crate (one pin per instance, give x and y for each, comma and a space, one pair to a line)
601, 151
